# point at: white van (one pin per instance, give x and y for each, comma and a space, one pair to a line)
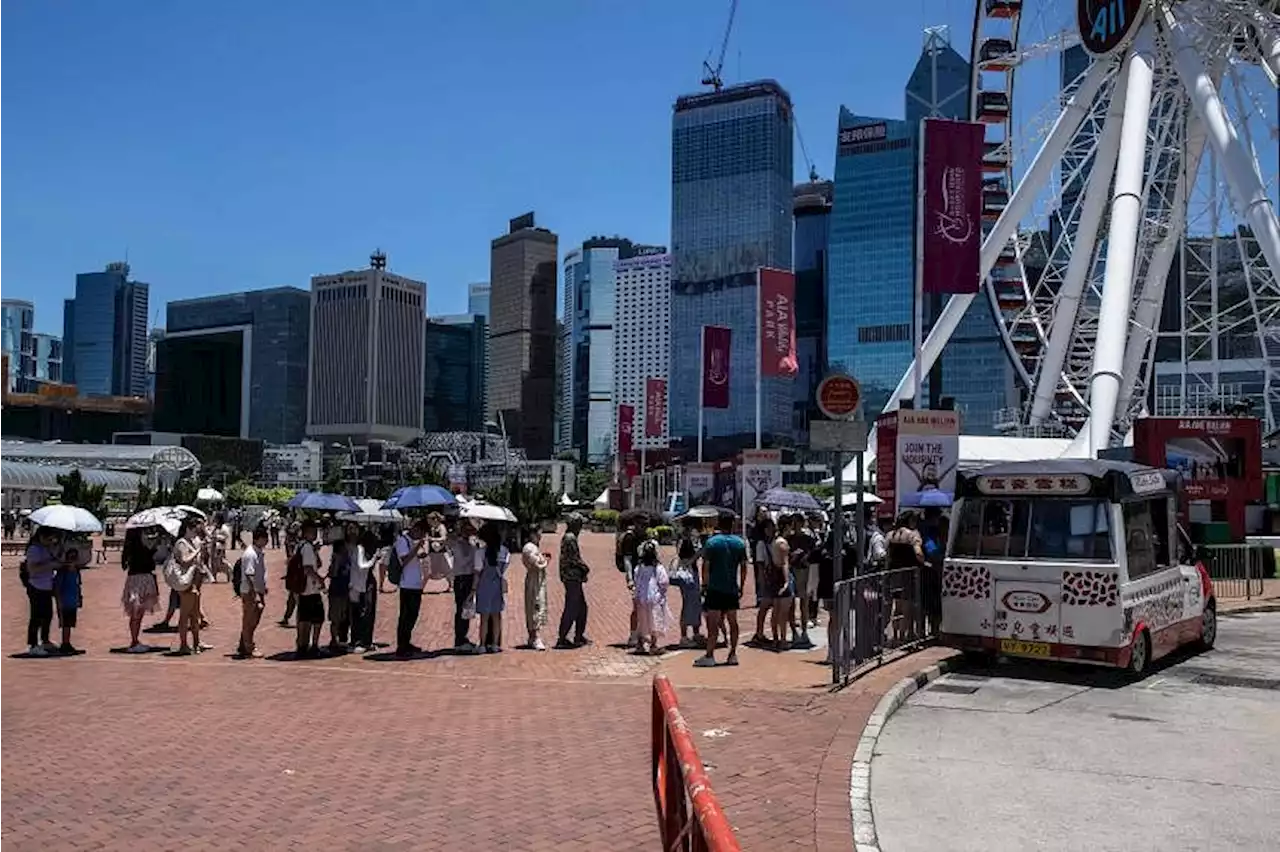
1072, 560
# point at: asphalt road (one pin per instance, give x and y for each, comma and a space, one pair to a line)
1026, 757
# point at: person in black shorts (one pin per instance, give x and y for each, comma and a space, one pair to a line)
724, 573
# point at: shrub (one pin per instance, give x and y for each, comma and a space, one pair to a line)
607, 518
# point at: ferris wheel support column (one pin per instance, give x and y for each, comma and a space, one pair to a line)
1122, 242
1268, 45
1238, 165
1046, 160
1094, 207
1147, 312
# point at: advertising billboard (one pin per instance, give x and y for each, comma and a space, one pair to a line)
950, 205
926, 457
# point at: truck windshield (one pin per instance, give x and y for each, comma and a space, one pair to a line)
1034, 528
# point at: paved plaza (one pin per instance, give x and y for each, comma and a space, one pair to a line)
521, 750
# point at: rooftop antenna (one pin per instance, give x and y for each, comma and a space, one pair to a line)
378, 260
711, 76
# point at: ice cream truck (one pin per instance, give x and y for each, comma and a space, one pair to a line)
1073, 560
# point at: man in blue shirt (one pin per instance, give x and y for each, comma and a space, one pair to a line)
724, 574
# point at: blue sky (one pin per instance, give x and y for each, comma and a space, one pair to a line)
237, 145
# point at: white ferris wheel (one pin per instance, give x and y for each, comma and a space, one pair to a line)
1130, 183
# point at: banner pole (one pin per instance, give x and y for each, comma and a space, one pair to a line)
702, 386
759, 348
917, 330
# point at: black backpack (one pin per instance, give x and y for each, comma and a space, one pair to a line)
395, 570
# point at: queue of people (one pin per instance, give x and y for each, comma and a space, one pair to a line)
336, 575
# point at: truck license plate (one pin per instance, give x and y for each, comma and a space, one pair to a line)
1018, 648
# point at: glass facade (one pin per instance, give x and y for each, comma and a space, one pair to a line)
47, 356
105, 333
871, 279
199, 384
278, 373
453, 389
731, 213
813, 223
17, 318
478, 299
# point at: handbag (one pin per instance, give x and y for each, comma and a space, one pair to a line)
469, 608
175, 576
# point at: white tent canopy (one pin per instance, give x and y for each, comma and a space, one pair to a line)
602, 502
977, 451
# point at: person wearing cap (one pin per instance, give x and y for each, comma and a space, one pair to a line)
573, 573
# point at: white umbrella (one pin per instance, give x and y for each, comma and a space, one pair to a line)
487, 512
151, 518
209, 495
172, 526
66, 518
371, 512
184, 509
851, 499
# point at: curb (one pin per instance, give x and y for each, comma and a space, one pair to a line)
864, 821
1250, 608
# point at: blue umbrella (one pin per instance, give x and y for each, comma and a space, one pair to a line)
419, 496
782, 498
295, 502
929, 498
320, 502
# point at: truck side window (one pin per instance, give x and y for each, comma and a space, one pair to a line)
1146, 539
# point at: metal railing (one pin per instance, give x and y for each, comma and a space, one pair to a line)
877, 613
689, 816
1237, 570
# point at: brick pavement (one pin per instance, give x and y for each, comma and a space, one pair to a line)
521, 750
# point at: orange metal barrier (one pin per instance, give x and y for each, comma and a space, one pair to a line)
689, 816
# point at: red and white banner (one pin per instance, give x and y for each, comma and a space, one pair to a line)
777, 323
626, 425
951, 213
655, 407
716, 341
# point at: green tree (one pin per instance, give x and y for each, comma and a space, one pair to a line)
589, 482
77, 492
532, 503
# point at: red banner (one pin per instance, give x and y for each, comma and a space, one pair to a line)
655, 407
951, 218
715, 366
777, 323
626, 423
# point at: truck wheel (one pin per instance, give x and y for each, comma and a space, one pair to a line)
1140, 654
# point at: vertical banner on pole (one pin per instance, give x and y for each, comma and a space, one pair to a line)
716, 341
626, 426
777, 324
887, 463
655, 407
951, 210
926, 457
700, 484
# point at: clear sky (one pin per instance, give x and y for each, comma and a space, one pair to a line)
242, 144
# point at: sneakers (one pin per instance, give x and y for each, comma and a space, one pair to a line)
358, 649
732, 660
139, 648
564, 645
539, 645
705, 662
67, 648
37, 651
633, 640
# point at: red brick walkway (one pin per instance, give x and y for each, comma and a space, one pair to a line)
522, 750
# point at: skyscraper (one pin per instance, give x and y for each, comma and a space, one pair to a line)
974, 369
478, 299
522, 334
366, 364
813, 224
274, 334
46, 354
641, 337
871, 279
731, 213
17, 325
587, 373
453, 386
105, 333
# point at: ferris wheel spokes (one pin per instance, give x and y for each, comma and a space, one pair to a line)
1040, 172
1079, 268
1239, 167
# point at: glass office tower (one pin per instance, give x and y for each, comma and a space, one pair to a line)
731, 213
105, 333
813, 223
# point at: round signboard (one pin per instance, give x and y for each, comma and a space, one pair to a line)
839, 396
1106, 24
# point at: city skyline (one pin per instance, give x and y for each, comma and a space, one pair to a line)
576, 186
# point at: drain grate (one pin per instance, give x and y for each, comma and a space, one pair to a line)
1238, 681
954, 688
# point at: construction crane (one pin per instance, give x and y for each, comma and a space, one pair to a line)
711, 76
